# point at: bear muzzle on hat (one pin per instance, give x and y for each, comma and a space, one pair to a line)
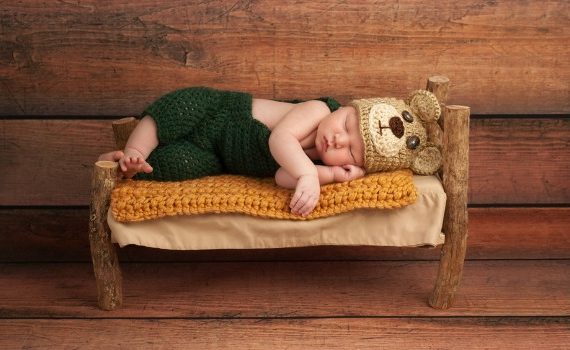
394, 132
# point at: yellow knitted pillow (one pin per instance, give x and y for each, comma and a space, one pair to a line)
143, 200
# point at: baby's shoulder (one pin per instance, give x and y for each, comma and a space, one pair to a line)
270, 112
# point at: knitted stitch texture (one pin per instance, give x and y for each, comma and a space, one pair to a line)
394, 132
204, 131
144, 200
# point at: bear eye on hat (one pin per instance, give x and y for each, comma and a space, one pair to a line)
407, 116
412, 142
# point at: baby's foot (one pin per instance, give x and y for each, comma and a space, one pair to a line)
133, 162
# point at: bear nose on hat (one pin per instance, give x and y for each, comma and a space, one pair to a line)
397, 126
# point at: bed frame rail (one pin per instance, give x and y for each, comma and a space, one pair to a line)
451, 134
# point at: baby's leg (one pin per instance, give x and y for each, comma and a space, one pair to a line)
142, 141
131, 168
181, 160
129, 171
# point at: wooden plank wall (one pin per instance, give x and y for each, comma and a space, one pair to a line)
68, 68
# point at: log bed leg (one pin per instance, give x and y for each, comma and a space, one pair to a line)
105, 262
455, 175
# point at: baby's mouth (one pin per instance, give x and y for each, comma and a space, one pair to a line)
325, 144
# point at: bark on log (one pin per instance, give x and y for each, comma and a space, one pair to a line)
122, 129
439, 86
435, 134
455, 175
105, 262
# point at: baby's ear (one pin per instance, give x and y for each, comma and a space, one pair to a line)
425, 105
427, 161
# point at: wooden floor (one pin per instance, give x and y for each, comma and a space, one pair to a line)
501, 304
515, 292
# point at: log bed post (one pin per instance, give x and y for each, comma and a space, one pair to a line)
105, 262
103, 254
455, 176
439, 86
122, 129
454, 140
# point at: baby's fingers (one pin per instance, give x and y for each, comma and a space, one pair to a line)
308, 207
303, 203
297, 201
147, 168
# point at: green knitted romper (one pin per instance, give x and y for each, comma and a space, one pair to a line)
203, 131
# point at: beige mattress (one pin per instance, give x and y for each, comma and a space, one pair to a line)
415, 225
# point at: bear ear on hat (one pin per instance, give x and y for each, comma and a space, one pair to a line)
427, 161
425, 105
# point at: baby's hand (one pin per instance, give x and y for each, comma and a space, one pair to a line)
347, 172
306, 195
133, 162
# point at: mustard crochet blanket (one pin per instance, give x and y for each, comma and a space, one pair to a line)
144, 200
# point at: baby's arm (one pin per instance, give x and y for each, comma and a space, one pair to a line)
142, 141
286, 149
327, 174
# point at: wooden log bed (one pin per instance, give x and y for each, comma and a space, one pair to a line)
452, 135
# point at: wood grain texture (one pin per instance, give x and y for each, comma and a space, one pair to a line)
103, 254
519, 161
455, 171
50, 162
60, 235
122, 129
287, 289
113, 58
289, 334
512, 161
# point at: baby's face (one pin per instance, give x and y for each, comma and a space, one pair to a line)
338, 140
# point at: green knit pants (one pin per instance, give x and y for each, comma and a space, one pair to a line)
202, 132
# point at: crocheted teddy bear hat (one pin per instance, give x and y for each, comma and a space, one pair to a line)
394, 132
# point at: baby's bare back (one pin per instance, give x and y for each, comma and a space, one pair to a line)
270, 112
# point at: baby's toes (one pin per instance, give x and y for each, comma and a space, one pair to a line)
131, 165
122, 164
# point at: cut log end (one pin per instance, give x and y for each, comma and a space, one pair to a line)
458, 108
438, 79
122, 121
105, 164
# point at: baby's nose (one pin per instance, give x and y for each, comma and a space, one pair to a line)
340, 140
